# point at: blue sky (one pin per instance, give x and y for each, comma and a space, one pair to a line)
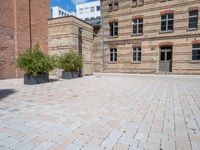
67, 4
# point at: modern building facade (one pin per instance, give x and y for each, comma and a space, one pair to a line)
71, 34
57, 11
149, 36
89, 10
23, 23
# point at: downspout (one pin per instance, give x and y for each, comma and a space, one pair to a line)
16, 44
30, 26
102, 27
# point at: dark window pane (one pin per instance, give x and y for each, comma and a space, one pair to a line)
115, 57
170, 16
111, 29
98, 8
163, 17
134, 29
162, 56
116, 30
163, 28
196, 46
134, 57
163, 25
193, 25
193, 13
139, 56
193, 19
169, 55
196, 52
193, 22
170, 27
141, 28
195, 57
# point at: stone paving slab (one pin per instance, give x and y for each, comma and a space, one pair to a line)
102, 112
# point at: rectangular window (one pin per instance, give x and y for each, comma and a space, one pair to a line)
137, 3
137, 54
113, 55
167, 22
87, 10
113, 28
193, 19
92, 9
110, 7
81, 11
116, 6
98, 8
138, 26
196, 52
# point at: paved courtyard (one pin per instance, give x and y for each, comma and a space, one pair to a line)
120, 112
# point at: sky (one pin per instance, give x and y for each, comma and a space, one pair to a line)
68, 5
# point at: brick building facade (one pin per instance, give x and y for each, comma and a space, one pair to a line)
71, 34
23, 23
149, 36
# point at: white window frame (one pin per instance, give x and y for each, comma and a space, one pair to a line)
167, 22
113, 52
138, 23
138, 50
194, 16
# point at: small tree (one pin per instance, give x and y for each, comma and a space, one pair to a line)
34, 61
71, 61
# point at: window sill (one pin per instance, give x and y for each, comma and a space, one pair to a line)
192, 29
134, 5
136, 62
195, 61
110, 37
163, 32
112, 63
139, 34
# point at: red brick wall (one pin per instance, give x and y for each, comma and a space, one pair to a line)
7, 42
15, 31
40, 14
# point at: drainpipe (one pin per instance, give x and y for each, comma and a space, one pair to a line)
30, 26
102, 27
80, 49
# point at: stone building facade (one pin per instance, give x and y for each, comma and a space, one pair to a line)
71, 34
149, 36
23, 23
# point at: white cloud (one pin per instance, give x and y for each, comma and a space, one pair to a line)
78, 1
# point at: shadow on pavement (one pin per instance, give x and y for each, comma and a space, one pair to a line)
6, 92
54, 80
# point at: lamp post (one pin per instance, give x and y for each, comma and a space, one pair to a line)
80, 48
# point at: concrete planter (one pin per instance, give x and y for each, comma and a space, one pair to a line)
69, 74
38, 79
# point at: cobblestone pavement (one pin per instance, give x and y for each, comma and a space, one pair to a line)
119, 112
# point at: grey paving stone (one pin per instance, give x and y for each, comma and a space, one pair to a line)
103, 112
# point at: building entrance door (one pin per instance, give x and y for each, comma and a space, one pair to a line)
165, 59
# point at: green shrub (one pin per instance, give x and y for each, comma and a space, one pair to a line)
34, 61
70, 61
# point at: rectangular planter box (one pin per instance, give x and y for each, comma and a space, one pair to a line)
38, 79
69, 74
